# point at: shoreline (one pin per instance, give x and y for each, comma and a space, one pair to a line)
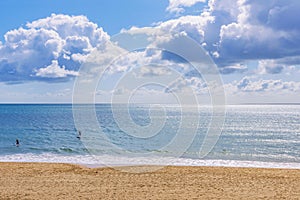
107, 161
70, 181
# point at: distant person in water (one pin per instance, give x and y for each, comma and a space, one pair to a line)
17, 143
79, 135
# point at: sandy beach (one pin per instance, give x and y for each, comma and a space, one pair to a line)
66, 181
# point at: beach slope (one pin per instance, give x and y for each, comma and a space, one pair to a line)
66, 181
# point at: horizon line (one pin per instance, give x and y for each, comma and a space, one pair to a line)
99, 103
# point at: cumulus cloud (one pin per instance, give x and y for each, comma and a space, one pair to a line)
172, 35
237, 31
257, 32
286, 66
53, 47
164, 32
55, 71
154, 71
177, 6
234, 68
181, 85
270, 67
248, 85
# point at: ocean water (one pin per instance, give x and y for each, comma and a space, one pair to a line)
252, 136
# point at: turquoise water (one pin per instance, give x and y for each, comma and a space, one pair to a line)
253, 135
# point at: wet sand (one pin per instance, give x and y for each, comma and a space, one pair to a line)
66, 181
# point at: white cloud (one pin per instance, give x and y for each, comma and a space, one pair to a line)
166, 35
177, 6
236, 31
55, 71
253, 90
181, 85
193, 26
277, 87
256, 35
230, 7
285, 66
72, 26
58, 40
233, 68
154, 71
270, 67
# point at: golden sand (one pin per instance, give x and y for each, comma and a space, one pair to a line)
66, 181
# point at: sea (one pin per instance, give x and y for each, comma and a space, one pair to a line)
264, 136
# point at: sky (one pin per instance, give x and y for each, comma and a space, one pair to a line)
47, 47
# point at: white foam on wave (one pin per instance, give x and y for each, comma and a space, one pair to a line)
111, 161
47, 157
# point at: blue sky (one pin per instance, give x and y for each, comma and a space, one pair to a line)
112, 15
255, 45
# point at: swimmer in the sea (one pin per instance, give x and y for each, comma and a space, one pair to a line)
79, 135
17, 143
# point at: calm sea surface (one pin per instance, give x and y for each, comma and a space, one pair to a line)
253, 135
